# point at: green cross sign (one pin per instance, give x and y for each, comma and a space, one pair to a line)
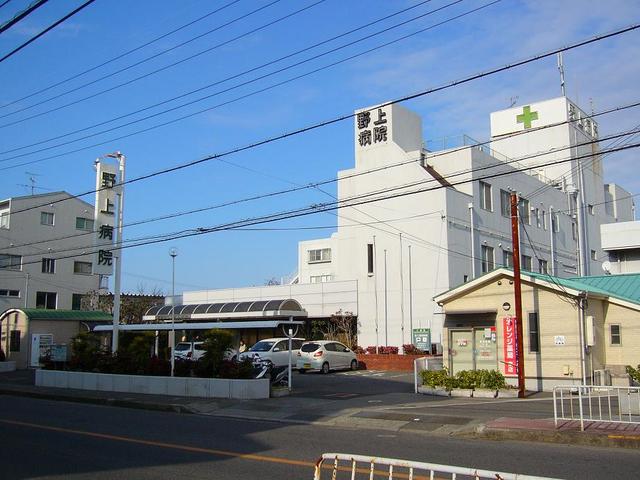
527, 116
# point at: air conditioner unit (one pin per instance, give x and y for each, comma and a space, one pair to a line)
602, 377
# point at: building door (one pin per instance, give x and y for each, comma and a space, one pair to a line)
484, 349
461, 350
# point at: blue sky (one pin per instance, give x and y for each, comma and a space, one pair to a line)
605, 73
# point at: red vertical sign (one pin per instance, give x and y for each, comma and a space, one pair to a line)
510, 346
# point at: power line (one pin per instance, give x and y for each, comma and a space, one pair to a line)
118, 57
218, 82
153, 72
357, 174
19, 16
46, 30
4, 3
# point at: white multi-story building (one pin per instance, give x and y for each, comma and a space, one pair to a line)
621, 242
414, 222
31, 241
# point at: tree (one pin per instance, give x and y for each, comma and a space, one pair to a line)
341, 327
132, 306
272, 281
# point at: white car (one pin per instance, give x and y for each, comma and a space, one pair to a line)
325, 355
195, 350
275, 350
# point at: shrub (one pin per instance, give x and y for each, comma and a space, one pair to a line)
85, 352
410, 349
388, 350
434, 378
467, 379
358, 350
371, 350
491, 379
634, 373
216, 343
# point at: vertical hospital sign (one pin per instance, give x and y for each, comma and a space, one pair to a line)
371, 127
104, 218
510, 345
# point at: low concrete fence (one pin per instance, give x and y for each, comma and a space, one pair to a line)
175, 386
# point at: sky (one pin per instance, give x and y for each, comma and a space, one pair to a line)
55, 119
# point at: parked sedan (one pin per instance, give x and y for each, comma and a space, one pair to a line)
325, 355
274, 350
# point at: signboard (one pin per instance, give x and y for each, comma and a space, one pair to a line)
422, 339
104, 218
58, 353
371, 127
510, 345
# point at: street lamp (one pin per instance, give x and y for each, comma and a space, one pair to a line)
173, 252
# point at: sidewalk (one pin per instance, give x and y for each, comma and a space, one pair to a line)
530, 419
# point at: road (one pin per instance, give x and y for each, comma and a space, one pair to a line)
48, 439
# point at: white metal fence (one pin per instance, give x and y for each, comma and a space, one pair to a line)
341, 465
596, 403
424, 363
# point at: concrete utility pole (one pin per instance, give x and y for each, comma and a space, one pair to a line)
517, 287
172, 336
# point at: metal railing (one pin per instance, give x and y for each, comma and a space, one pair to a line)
421, 364
596, 403
360, 466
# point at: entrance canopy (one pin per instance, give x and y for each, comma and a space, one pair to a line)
137, 327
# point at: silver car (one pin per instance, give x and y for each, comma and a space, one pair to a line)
274, 350
325, 355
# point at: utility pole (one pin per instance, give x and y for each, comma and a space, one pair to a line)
401, 293
517, 287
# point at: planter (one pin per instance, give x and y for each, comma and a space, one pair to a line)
8, 366
508, 393
174, 386
462, 392
484, 393
437, 391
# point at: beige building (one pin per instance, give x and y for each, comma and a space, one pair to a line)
575, 330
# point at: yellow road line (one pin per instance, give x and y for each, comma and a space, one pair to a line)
174, 446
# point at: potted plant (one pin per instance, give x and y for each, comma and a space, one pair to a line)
434, 382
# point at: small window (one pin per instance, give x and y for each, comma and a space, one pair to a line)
320, 278
555, 222
10, 293
330, 347
488, 260
616, 335
534, 333
11, 262
14, 341
543, 266
591, 210
574, 230
594, 255
507, 259
48, 265
370, 258
4, 215
309, 347
538, 219
46, 218
465, 278
526, 263
544, 220
505, 203
84, 224
83, 268
320, 255
485, 196
296, 344
76, 301
46, 300
282, 345
525, 211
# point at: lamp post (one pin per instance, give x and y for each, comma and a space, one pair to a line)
173, 252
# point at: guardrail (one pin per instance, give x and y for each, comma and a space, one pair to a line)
596, 403
377, 467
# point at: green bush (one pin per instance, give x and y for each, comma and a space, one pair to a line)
490, 379
634, 373
434, 378
216, 343
85, 352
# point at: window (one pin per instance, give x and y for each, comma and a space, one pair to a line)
488, 260
4, 215
320, 255
370, 258
538, 221
9, 293
591, 210
525, 211
320, 278
534, 333
574, 230
84, 223
11, 262
46, 300
544, 220
485, 196
330, 347
543, 266
594, 255
46, 218
505, 203
507, 259
616, 336
526, 263
82, 268
76, 301
555, 222
14, 341
48, 265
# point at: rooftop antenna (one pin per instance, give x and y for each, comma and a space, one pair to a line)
513, 101
32, 181
561, 70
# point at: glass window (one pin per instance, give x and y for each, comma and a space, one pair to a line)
46, 300
46, 218
320, 278
488, 260
340, 347
574, 230
320, 255
11, 262
591, 210
505, 203
82, 267
76, 301
370, 258
525, 211
538, 220
507, 259
282, 345
555, 222
296, 344
14, 341
544, 220
48, 265
616, 335
309, 347
330, 347
543, 267
9, 293
526, 263
84, 223
594, 255
4, 215
485, 196
262, 346
534, 333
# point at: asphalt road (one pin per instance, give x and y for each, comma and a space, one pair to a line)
47, 439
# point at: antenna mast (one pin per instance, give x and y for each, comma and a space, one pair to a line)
561, 70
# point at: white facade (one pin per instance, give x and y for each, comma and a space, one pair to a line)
621, 242
414, 223
30, 275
